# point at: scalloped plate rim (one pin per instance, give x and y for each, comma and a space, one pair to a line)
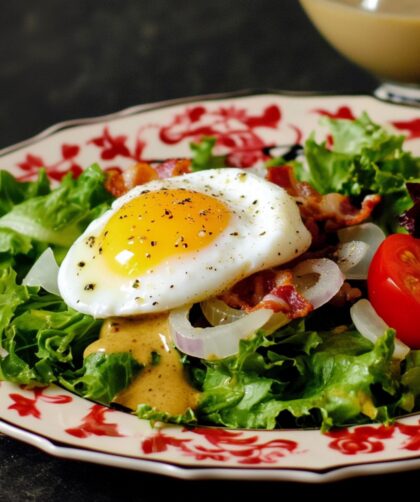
195, 473
132, 110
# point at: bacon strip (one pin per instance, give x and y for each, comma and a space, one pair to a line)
173, 167
334, 209
114, 182
119, 182
268, 289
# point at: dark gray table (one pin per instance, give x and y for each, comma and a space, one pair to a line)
68, 59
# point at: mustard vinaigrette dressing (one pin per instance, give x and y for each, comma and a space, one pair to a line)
162, 383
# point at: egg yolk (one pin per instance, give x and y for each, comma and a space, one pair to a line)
160, 225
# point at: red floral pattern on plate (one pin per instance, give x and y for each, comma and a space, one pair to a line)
113, 146
413, 431
369, 439
342, 112
234, 128
411, 126
364, 439
67, 163
94, 424
28, 407
224, 445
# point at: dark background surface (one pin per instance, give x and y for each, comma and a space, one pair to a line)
61, 60
69, 59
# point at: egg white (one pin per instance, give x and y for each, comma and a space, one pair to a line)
265, 230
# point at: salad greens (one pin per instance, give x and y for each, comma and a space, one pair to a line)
307, 373
302, 373
33, 217
203, 156
364, 158
410, 219
299, 377
102, 376
41, 338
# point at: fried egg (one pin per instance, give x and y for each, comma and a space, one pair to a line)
181, 240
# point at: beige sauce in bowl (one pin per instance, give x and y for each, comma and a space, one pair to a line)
384, 41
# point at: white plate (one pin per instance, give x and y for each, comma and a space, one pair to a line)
68, 426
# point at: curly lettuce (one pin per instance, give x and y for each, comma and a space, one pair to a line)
297, 377
364, 158
34, 216
43, 341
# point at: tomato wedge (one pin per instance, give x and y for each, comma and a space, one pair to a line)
394, 286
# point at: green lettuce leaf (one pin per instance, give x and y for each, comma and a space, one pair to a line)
56, 217
203, 156
13, 191
411, 380
13, 243
11, 296
43, 341
146, 412
40, 335
365, 158
102, 376
299, 377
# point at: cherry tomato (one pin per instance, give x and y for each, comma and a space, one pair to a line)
394, 286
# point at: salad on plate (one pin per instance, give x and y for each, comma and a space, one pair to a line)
188, 291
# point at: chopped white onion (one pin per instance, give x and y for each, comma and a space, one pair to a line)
372, 327
276, 321
370, 234
216, 342
318, 280
44, 273
218, 312
349, 255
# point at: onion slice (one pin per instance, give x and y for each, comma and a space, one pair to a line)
44, 273
372, 327
371, 235
318, 280
349, 255
215, 342
276, 321
218, 312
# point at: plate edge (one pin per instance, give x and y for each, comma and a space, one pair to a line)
160, 467
132, 110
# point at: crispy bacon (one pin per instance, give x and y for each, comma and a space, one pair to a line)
334, 209
119, 182
268, 289
173, 167
347, 294
286, 299
114, 182
140, 173
281, 176
247, 293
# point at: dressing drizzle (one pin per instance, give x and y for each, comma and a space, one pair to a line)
162, 383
